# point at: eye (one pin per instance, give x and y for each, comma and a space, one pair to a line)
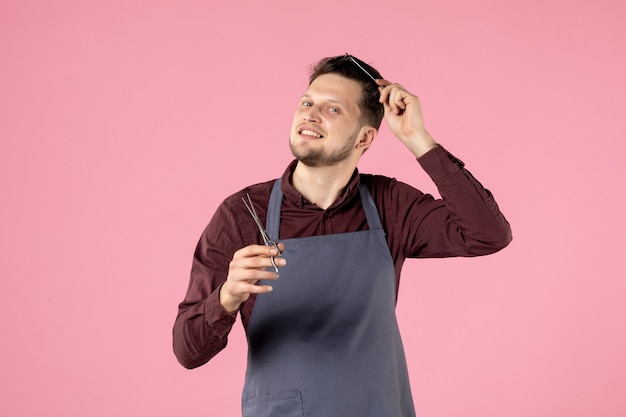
307, 103
333, 109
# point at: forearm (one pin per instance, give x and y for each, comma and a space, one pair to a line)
470, 221
202, 325
201, 330
419, 143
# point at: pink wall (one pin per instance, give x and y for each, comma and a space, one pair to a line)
123, 124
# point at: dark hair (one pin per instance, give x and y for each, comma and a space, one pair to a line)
344, 65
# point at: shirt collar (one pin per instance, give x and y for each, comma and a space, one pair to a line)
294, 197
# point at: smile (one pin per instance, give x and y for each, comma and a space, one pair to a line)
306, 132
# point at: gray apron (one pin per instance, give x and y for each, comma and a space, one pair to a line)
325, 342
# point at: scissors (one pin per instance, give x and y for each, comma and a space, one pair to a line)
266, 238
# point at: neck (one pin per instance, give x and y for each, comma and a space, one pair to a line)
322, 185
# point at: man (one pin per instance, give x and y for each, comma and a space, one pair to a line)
323, 338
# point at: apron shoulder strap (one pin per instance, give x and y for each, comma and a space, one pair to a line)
272, 224
371, 212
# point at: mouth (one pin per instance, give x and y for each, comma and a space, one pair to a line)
309, 134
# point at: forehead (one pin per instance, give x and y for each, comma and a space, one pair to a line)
337, 88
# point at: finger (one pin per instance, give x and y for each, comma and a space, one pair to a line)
393, 103
242, 290
261, 289
252, 270
255, 250
382, 83
262, 262
384, 93
387, 109
281, 247
390, 96
398, 100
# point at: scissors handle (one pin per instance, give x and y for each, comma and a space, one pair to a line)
266, 239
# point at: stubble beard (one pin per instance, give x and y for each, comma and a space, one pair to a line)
319, 157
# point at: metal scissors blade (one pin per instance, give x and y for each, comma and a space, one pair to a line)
266, 238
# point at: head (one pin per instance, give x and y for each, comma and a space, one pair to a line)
372, 110
338, 115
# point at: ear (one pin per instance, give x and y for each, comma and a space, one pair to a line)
366, 137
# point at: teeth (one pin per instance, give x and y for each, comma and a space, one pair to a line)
310, 133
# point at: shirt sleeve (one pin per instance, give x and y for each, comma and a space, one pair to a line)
202, 325
465, 222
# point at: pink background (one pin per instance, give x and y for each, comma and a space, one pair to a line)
124, 124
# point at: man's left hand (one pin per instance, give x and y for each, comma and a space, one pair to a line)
403, 115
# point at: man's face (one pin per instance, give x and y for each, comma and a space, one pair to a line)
327, 123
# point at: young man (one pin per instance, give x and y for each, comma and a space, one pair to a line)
323, 338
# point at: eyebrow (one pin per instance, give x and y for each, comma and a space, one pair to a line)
341, 103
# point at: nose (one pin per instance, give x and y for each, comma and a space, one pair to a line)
311, 114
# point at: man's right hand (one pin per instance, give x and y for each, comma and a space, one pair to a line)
248, 266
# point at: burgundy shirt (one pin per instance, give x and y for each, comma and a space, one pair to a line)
465, 222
